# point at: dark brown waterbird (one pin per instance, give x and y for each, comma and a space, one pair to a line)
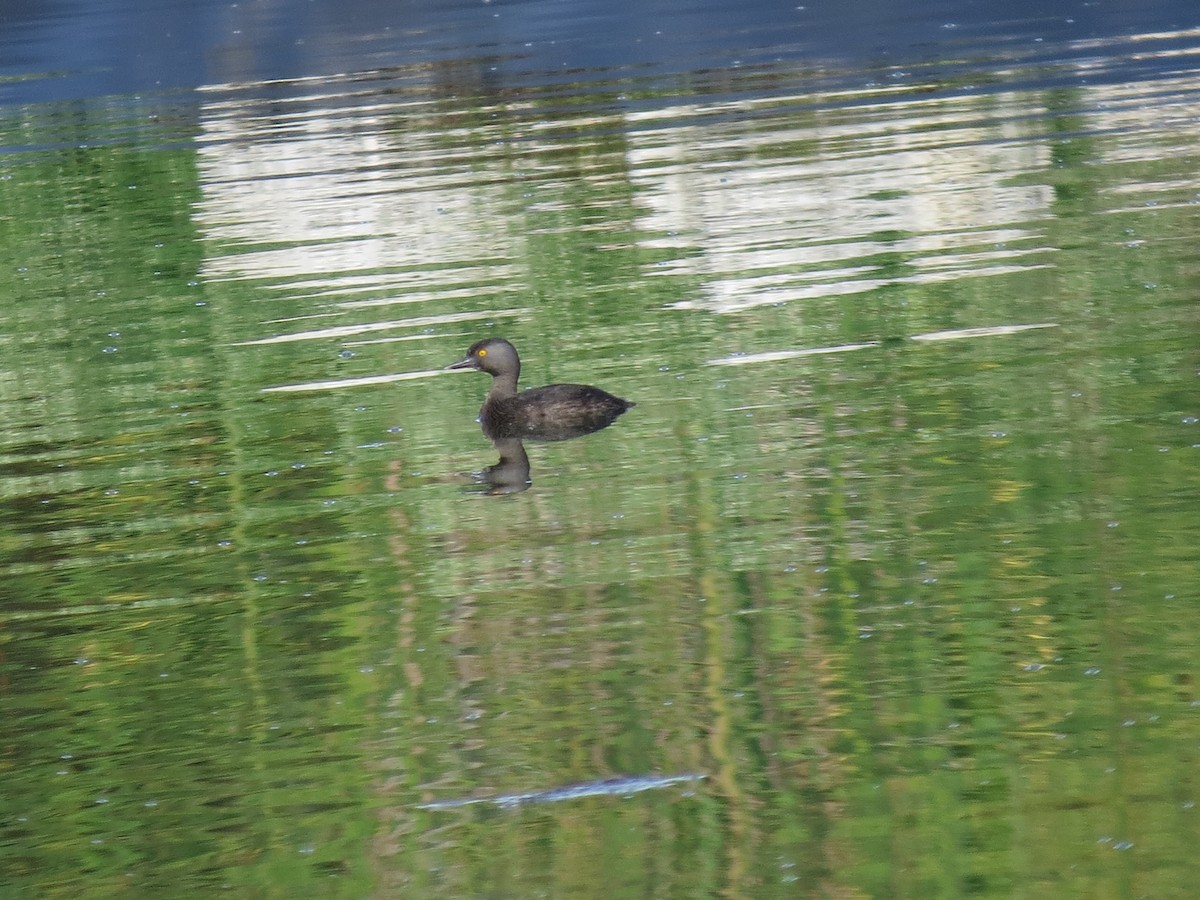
554, 412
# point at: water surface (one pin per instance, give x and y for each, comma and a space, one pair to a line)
886, 587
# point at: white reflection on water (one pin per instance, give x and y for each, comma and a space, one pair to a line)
355, 199
772, 209
338, 383
609, 787
791, 203
742, 359
339, 331
342, 194
990, 331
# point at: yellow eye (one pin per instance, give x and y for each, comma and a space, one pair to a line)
481, 352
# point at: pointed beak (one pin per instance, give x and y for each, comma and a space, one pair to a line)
467, 362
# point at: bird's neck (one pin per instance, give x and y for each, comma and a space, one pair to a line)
503, 386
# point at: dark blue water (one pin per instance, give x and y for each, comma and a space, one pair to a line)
94, 48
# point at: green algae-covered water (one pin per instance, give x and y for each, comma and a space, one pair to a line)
887, 587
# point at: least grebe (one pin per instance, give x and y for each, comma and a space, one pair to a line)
551, 413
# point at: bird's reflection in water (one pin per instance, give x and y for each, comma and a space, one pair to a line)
511, 475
